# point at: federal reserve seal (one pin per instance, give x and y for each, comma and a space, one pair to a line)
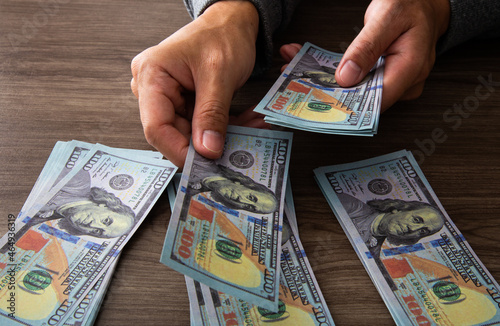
270, 316
241, 159
448, 292
380, 186
36, 281
121, 181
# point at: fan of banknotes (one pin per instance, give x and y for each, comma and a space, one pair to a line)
60, 253
233, 233
422, 266
307, 97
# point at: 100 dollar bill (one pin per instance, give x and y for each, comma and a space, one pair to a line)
70, 235
300, 302
307, 96
225, 229
421, 264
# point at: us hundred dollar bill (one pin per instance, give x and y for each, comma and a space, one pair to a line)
198, 311
300, 302
307, 96
225, 229
63, 158
70, 234
421, 264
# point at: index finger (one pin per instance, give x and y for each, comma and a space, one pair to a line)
163, 129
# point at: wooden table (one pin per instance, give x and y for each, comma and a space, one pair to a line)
65, 73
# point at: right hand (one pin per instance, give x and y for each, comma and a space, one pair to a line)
406, 32
192, 76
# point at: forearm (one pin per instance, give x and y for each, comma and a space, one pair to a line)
470, 19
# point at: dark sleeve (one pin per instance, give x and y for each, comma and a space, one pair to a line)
470, 19
274, 15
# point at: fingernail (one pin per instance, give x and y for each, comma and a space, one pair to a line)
213, 141
350, 73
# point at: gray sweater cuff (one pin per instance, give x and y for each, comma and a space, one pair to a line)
470, 19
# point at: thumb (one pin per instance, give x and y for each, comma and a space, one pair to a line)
210, 117
367, 47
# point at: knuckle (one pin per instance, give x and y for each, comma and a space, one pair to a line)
154, 83
133, 87
422, 67
136, 63
370, 50
146, 72
142, 62
214, 111
215, 61
150, 134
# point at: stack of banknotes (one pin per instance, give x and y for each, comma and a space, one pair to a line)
307, 97
233, 233
422, 266
58, 256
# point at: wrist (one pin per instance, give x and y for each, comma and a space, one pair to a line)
241, 14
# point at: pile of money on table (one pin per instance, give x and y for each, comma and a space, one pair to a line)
306, 96
234, 234
233, 230
59, 254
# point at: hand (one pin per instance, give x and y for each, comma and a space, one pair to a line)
192, 75
406, 32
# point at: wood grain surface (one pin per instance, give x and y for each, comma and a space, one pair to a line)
65, 74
